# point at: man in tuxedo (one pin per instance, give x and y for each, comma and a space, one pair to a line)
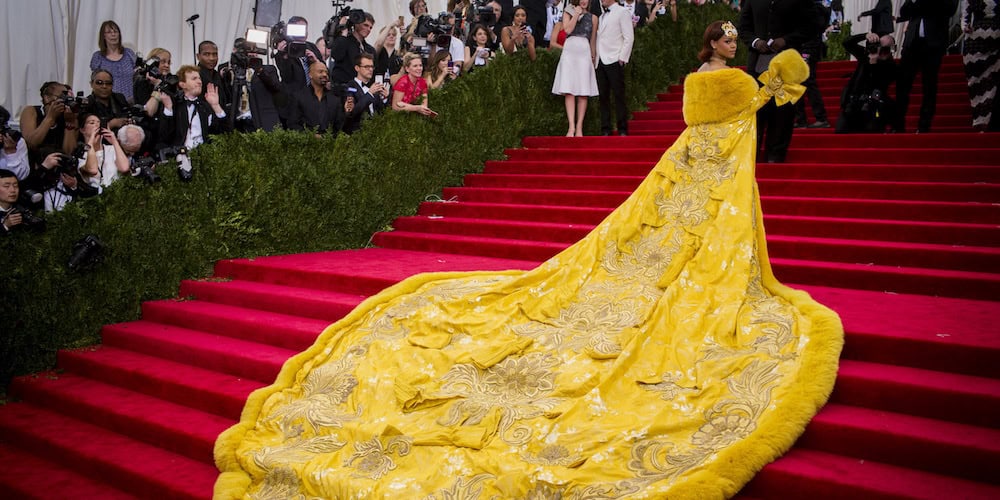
614, 47
769, 27
191, 121
923, 49
208, 61
370, 98
315, 107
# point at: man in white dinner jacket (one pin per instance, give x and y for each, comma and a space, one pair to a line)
614, 47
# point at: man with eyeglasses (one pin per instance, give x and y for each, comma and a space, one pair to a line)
346, 49
111, 107
369, 100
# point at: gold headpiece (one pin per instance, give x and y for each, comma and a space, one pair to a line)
729, 30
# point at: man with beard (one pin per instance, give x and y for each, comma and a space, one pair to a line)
317, 108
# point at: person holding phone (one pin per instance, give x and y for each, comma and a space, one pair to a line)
479, 50
372, 94
518, 35
441, 70
410, 92
103, 158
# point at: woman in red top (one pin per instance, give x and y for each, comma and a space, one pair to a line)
410, 92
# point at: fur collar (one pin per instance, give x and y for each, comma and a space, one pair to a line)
716, 96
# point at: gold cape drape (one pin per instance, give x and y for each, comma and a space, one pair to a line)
656, 357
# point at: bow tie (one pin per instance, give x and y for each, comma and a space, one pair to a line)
191, 102
607, 9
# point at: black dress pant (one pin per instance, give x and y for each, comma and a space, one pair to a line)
918, 57
774, 130
611, 80
812, 94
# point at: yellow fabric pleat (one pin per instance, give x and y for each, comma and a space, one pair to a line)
656, 357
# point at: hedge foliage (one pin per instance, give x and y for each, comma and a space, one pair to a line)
285, 192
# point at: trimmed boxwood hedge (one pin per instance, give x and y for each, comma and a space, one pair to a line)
286, 192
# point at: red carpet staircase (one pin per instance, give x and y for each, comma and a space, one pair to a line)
898, 233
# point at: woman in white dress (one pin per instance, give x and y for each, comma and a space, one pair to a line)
575, 76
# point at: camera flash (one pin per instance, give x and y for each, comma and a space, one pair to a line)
257, 36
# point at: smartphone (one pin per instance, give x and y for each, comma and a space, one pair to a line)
378, 78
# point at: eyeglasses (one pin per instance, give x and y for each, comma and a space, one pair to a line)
103, 82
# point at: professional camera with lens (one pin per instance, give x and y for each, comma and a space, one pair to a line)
75, 104
294, 36
170, 152
15, 135
334, 29
151, 68
143, 168
484, 14
28, 219
245, 56
86, 252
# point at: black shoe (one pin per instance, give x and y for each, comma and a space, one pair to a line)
800, 125
819, 124
605, 133
185, 175
622, 133
775, 159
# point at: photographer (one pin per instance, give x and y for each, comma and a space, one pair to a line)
865, 104
15, 151
68, 186
152, 80
258, 94
193, 120
294, 56
346, 49
388, 58
111, 107
103, 159
13, 216
316, 107
51, 125
371, 98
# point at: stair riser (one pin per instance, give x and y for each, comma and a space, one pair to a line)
795, 155
263, 370
921, 401
270, 334
316, 308
341, 283
812, 140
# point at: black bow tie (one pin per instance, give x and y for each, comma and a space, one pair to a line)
607, 9
191, 102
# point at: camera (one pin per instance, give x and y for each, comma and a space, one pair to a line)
872, 47
28, 219
245, 55
143, 168
170, 152
484, 14
343, 90
334, 29
293, 36
75, 104
86, 252
15, 135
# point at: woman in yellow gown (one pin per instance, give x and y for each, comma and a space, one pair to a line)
656, 357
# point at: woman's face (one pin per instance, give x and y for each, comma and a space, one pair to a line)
443, 63
112, 36
164, 62
725, 47
420, 8
584, 4
390, 38
520, 16
91, 125
416, 68
482, 37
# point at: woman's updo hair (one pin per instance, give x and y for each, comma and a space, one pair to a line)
712, 33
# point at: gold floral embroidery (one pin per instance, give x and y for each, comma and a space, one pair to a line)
325, 389
553, 454
668, 388
544, 491
518, 386
279, 484
295, 451
591, 324
373, 458
686, 203
461, 490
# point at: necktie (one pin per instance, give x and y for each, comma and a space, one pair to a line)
305, 67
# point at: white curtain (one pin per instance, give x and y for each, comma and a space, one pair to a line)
47, 40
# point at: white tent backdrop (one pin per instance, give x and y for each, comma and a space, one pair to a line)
45, 40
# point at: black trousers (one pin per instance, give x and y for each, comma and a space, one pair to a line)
611, 80
774, 130
918, 57
812, 94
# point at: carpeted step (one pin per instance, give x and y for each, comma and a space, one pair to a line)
969, 156
479, 219
173, 427
815, 171
965, 399
20, 467
947, 104
950, 113
816, 475
241, 358
104, 455
937, 446
306, 302
280, 330
975, 213
930, 140
365, 271
469, 245
880, 253
200, 388
883, 190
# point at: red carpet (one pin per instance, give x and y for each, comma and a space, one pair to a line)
900, 234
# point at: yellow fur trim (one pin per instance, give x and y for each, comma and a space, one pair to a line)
703, 103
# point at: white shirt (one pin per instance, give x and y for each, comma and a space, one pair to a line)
615, 35
107, 170
16, 162
553, 16
457, 51
56, 197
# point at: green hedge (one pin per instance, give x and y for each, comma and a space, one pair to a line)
285, 192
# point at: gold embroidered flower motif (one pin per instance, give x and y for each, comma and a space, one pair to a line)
591, 323
296, 451
325, 389
519, 387
686, 204
668, 388
722, 431
462, 490
543, 491
373, 460
553, 454
643, 261
280, 482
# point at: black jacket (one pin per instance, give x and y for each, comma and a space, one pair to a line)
293, 74
796, 21
361, 111
936, 17
345, 51
323, 115
881, 16
174, 129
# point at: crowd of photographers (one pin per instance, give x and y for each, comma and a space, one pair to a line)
139, 113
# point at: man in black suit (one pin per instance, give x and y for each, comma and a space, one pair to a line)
315, 107
369, 98
769, 27
346, 49
208, 61
193, 120
923, 49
